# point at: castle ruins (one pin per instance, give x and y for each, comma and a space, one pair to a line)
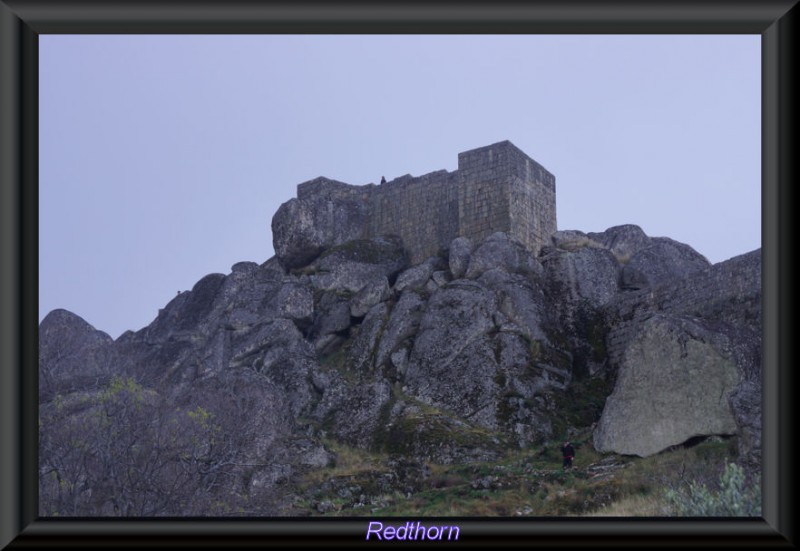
495, 188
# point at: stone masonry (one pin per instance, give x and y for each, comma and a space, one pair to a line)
496, 188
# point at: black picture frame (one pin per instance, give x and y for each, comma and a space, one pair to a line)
22, 21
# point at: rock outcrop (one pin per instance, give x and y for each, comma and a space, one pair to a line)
72, 354
305, 227
674, 383
459, 357
723, 301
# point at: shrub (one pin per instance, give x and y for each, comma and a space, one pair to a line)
733, 498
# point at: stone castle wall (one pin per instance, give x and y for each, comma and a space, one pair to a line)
423, 211
496, 188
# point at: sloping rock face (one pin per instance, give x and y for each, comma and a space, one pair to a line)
72, 354
663, 261
673, 384
724, 301
338, 339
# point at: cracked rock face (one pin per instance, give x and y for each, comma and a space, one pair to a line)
460, 249
498, 251
457, 358
673, 383
587, 274
349, 267
666, 260
304, 228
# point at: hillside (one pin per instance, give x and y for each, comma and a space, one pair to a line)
356, 380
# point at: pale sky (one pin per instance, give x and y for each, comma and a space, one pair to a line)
163, 158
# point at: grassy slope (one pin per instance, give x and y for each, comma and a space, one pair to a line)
524, 483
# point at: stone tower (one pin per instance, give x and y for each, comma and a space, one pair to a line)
502, 189
496, 188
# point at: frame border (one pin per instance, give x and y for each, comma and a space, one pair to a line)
22, 21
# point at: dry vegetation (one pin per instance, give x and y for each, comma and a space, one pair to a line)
532, 483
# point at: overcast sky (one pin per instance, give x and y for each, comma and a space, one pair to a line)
163, 158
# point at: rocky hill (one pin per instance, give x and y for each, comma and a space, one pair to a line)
251, 381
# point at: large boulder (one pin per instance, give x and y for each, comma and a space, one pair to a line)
348, 267
623, 241
500, 251
372, 293
72, 354
674, 383
305, 227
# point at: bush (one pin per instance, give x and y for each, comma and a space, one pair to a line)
733, 498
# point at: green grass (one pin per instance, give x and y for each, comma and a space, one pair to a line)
532, 483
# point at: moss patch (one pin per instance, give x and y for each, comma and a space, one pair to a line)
580, 405
368, 251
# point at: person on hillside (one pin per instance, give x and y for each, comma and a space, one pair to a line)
568, 453
383, 180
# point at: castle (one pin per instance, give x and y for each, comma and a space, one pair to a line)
495, 188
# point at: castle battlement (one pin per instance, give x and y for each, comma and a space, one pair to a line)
495, 188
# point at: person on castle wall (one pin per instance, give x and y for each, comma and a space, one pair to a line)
568, 453
383, 180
